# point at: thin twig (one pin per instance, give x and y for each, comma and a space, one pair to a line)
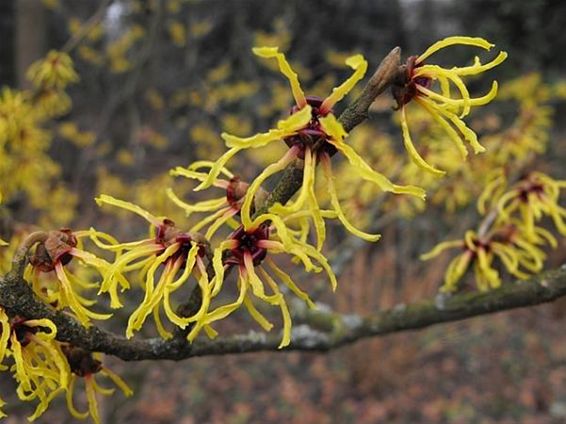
85, 29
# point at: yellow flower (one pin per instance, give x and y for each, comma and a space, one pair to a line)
86, 365
446, 110
178, 33
248, 250
506, 243
39, 366
534, 196
62, 287
17, 119
51, 103
51, 4
313, 134
117, 51
71, 132
179, 253
54, 71
222, 209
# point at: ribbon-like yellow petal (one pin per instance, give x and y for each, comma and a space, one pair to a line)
454, 40
360, 66
285, 68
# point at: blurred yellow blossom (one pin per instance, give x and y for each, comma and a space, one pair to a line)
55, 71
177, 33
70, 131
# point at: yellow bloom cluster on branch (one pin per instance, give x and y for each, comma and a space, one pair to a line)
171, 257
511, 231
244, 229
45, 368
313, 134
39, 367
445, 108
54, 71
515, 142
51, 280
25, 138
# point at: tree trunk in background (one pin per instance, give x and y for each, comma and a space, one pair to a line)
30, 36
7, 44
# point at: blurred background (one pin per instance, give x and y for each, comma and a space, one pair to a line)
160, 80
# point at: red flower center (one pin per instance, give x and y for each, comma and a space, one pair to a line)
247, 243
406, 89
168, 234
55, 249
22, 331
312, 136
81, 362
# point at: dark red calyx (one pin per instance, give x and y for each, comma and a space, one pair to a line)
55, 249
482, 244
530, 185
22, 331
235, 192
404, 89
168, 234
247, 244
312, 135
81, 362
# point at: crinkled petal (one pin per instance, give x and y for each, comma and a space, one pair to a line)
285, 68
251, 192
359, 65
217, 168
454, 40
333, 128
109, 200
327, 167
285, 128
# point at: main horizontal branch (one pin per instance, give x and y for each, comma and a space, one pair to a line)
320, 330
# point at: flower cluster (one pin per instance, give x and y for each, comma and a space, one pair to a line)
39, 367
245, 229
534, 196
175, 254
25, 138
45, 368
447, 111
50, 277
512, 143
54, 71
313, 134
249, 233
511, 231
